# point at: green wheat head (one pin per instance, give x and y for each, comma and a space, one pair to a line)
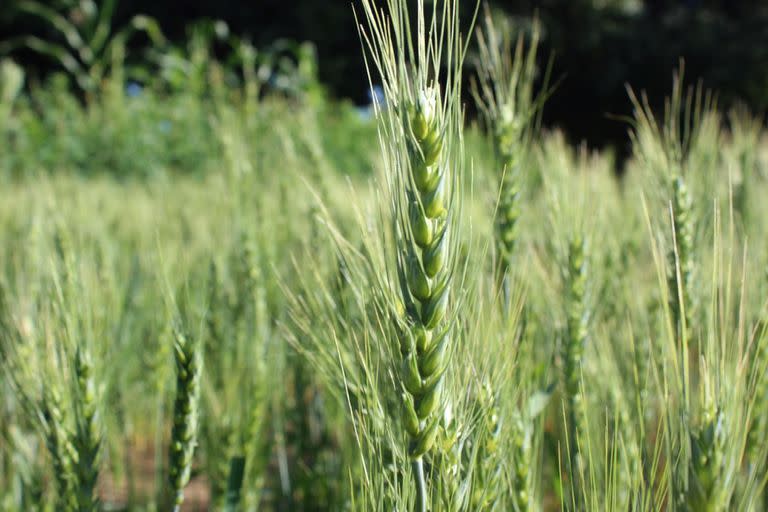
60, 447
577, 333
669, 149
185, 426
421, 141
87, 438
504, 94
681, 260
488, 469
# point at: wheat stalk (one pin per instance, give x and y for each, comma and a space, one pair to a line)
681, 261
185, 414
577, 332
504, 95
60, 447
87, 438
421, 142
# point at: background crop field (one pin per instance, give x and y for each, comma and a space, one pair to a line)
206, 297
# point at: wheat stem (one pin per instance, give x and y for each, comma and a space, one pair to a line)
421, 484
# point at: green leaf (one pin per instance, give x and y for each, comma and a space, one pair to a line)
235, 483
103, 26
57, 21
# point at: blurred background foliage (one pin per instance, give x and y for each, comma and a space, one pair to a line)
598, 46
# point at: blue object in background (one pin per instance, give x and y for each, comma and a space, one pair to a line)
133, 89
376, 98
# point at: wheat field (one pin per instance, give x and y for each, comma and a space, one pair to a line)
220, 297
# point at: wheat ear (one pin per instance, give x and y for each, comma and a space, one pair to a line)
185, 414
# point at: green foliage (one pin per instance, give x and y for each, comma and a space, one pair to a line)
87, 46
336, 292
